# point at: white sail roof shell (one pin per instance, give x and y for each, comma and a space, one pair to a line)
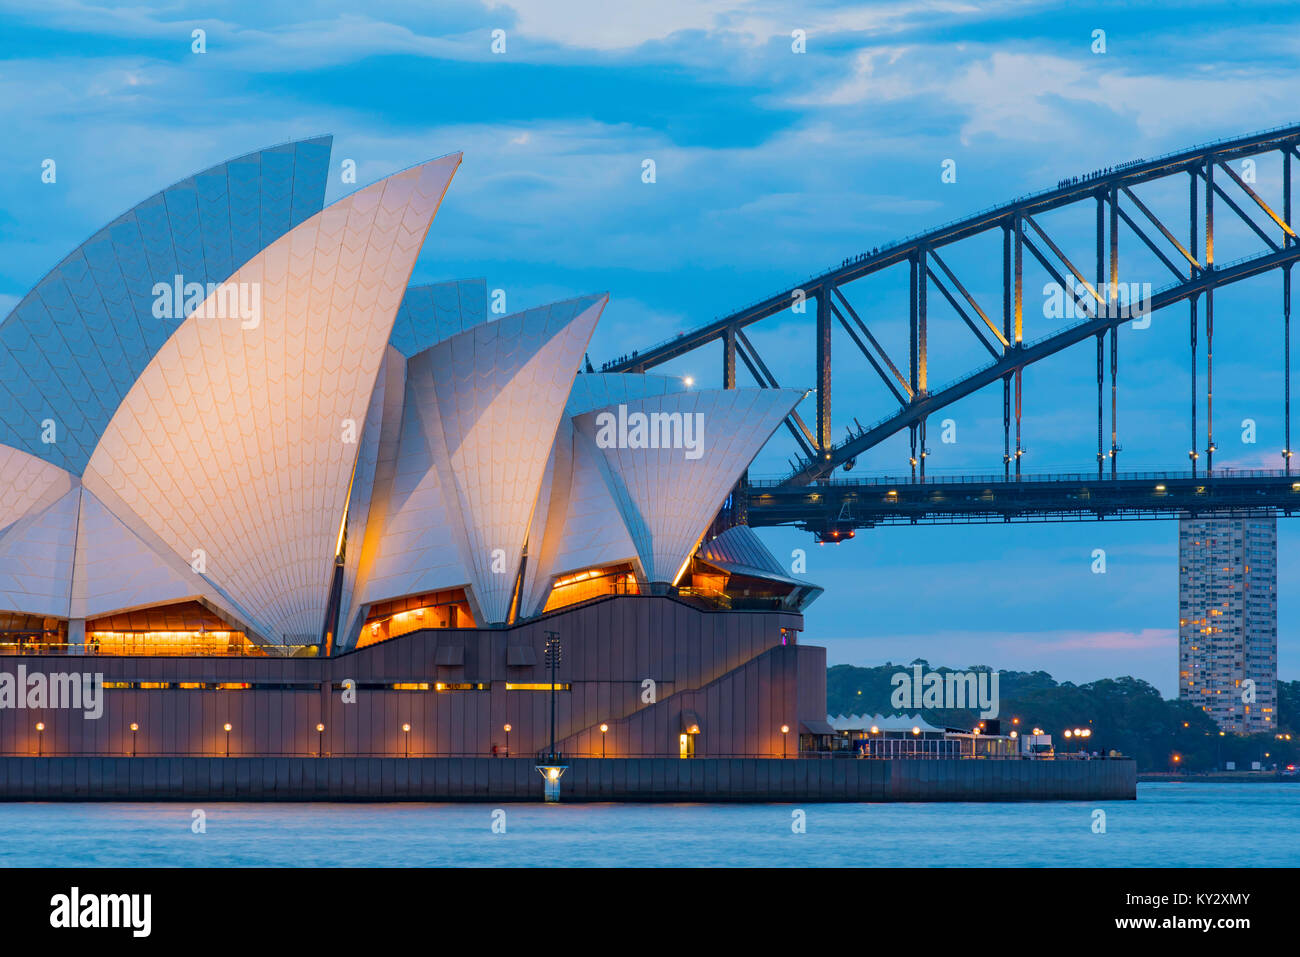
668, 496
479, 419
239, 440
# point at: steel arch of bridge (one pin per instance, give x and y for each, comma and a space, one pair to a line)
1190, 261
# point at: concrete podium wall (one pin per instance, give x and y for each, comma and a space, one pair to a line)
588, 779
611, 647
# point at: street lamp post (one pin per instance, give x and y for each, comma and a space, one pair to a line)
40, 733
227, 727
785, 730
406, 736
603, 728
552, 770
320, 740
134, 728
554, 653
507, 730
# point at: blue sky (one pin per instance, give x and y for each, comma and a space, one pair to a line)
771, 166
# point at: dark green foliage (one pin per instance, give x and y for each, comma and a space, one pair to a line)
1125, 714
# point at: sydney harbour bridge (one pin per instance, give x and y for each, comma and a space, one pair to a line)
1211, 180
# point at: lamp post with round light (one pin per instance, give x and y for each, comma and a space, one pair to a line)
507, 730
785, 730
553, 655
406, 736
603, 729
227, 729
134, 728
40, 733
320, 739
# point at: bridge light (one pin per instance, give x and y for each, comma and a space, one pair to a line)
1160, 488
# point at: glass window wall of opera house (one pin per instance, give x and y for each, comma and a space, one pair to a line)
417, 494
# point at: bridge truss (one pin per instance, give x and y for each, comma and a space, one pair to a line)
1213, 186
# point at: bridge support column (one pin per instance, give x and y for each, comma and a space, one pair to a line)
1286, 314
1101, 337
824, 440
1019, 449
925, 451
1101, 414
1006, 427
1193, 244
1010, 309
729, 358
1209, 318
1112, 300
1286, 367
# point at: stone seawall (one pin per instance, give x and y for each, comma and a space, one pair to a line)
588, 779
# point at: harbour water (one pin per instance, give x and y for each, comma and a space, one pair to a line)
1170, 825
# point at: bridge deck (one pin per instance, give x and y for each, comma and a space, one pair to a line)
862, 503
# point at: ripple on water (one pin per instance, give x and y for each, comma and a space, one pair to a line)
1170, 825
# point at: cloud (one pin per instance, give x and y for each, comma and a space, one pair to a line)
1067, 654
593, 25
1034, 644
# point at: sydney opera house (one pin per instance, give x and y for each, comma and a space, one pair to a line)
287, 503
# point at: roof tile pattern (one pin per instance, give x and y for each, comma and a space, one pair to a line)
73, 346
240, 441
667, 498
481, 412
432, 313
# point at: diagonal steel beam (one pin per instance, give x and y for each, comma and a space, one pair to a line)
1203, 282
1141, 234
872, 339
962, 312
1282, 139
969, 298
1286, 228
805, 441
1081, 303
866, 352
1155, 221
1056, 250
743, 346
1241, 214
